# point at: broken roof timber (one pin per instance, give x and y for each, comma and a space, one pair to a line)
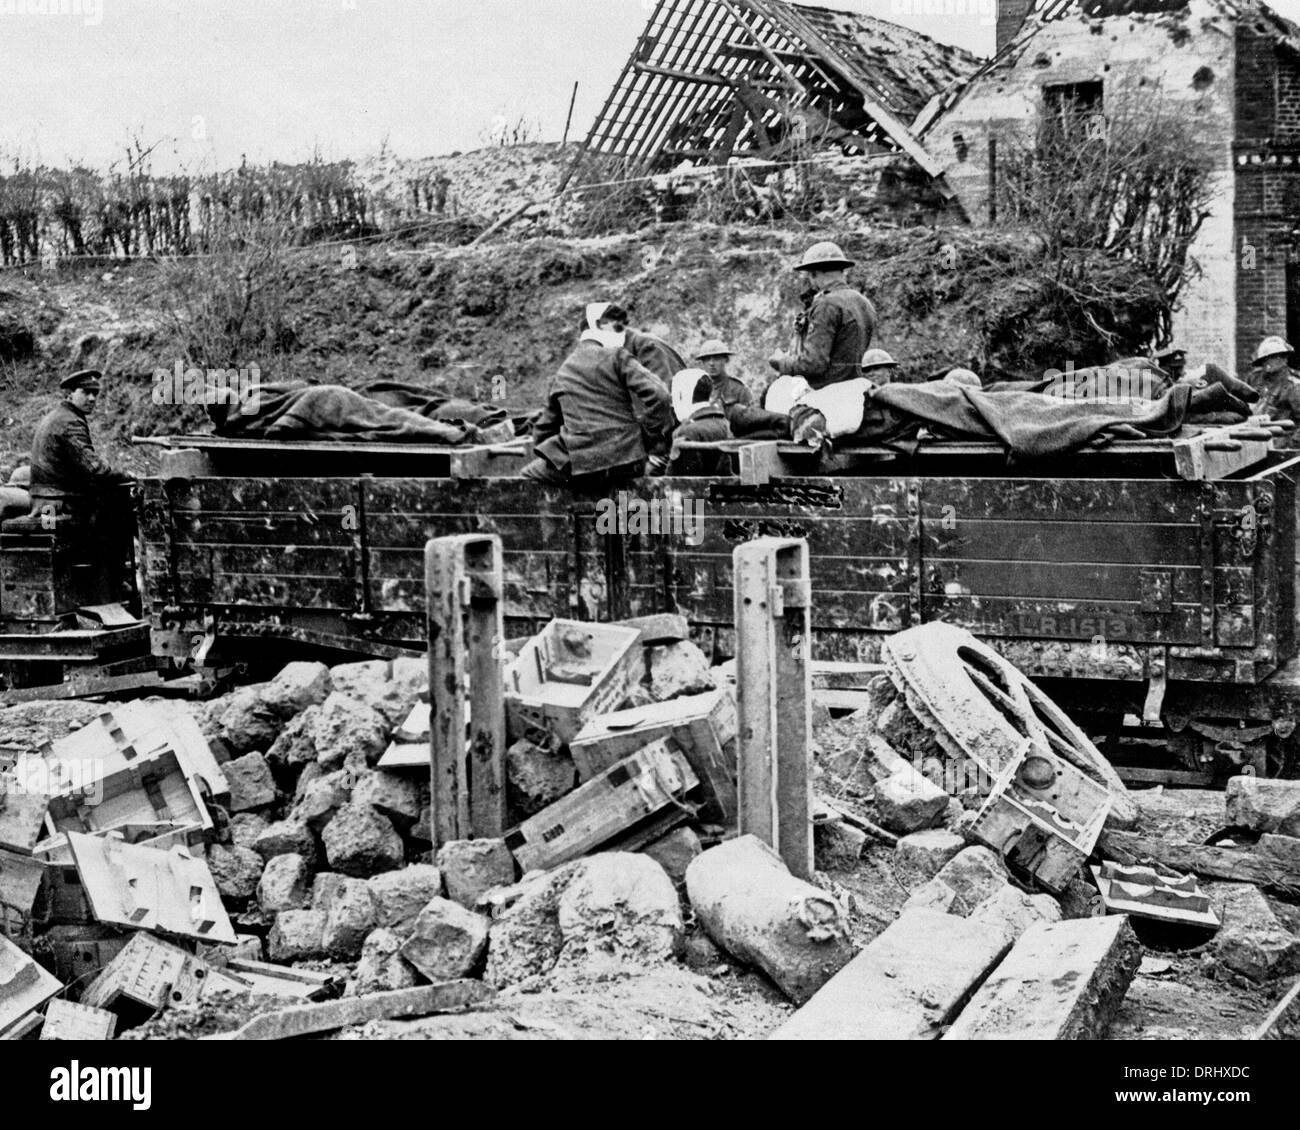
678, 94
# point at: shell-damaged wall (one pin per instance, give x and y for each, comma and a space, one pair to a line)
1184, 59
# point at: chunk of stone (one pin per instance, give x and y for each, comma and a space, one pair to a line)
837, 845
1252, 942
922, 854
1264, 805
349, 917
382, 968
399, 896
298, 685
236, 870
471, 867
1012, 912
285, 884
297, 935
537, 776
677, 669
286, 837
345, 726
251, 786
391, 794
246, 722
245, 827
447, 941
360, 842
322, 798
675, 851
295, 747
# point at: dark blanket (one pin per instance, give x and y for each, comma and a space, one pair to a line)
433, 405
300, 411
1031, 425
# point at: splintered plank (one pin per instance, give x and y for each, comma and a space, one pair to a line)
906, 985
1061, 981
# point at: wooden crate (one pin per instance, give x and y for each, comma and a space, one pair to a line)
569, 673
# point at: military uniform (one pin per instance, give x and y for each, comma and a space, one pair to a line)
838, 332
655, 354
730, 392
605, 412
1280, 399
64, 461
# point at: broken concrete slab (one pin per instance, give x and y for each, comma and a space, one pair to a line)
1012, 911
447, 941
360, 842
751, 905
399, 896
299, 684
537, 776
525, 933
1252, 941
24, 985
1263, 805
1061, 981
382, 968
304, 1020
65, 1020
296, 936
251, 784
285, 884
921, 855
905, 985
935, 895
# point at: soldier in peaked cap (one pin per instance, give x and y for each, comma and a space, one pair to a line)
839, 323
64, 462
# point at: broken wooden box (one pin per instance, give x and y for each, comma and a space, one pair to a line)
569, 673
144, 888
1043, 816
65, 1020
629, 792
150, 974
702, 725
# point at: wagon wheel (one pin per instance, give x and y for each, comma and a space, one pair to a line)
981, 707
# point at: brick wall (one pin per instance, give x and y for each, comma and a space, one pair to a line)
1267, 189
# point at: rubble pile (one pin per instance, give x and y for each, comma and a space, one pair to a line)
169, 871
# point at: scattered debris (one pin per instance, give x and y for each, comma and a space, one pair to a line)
1252, 941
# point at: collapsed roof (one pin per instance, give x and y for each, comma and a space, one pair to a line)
709, 79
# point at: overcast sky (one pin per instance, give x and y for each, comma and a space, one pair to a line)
273, 79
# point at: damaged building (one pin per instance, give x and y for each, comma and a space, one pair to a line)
1231, 70
711, 81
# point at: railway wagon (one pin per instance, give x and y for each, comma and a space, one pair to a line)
1122, 587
